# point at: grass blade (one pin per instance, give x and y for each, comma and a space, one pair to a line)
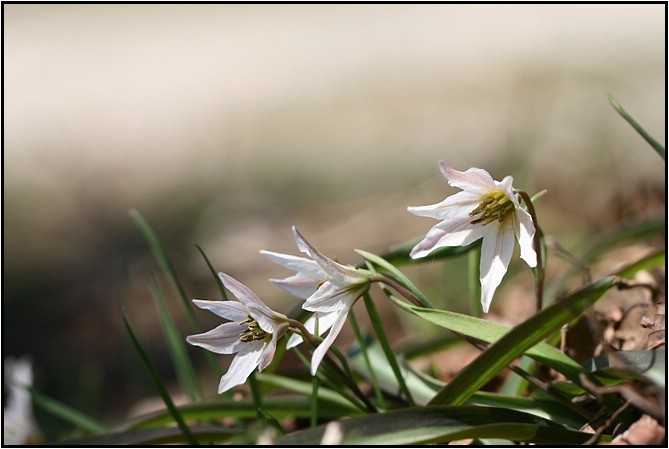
214, 273
519, 340
642, 132
159, 385
490, 332
66, 413
167, 267
175, 344
442, 424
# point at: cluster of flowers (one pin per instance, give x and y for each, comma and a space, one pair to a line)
485, 209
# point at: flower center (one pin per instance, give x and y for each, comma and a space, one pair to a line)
495, 206
253, 331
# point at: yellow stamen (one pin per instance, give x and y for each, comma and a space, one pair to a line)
495, 206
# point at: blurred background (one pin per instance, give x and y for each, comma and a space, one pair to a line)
226, 124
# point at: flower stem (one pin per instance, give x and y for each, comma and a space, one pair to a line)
383, 339
333, 364
398, 288
537, 243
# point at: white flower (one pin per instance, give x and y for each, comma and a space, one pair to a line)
485, 209
18, 423
252, 332
329, 288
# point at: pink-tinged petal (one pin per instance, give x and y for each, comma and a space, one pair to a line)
319, 353
297, 285
330, 297
230, 310
242, 366
243, 293
223, 339
506, 186
455, 206
525, 235
338, 273
474, 180
271, 322
496, 252
302, 265
457, 232
268, 353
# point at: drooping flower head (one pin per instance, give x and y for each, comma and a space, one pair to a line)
486, 209
252, 332
18, 422
328, 288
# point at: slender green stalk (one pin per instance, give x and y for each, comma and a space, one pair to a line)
363, 350
188, 436
255, 393
175, 343
473, 262
214, 273
390, 355
313, 419
538, 247
346, 378
647, 137
66, 412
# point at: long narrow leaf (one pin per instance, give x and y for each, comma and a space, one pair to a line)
159, 384
519, 340
167, 267
642, 132
175, 343
442, 424
214, 274
284, 406
492, 332
66, 413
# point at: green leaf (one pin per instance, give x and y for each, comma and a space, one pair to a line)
651, 364
175, 344
519, 340
652, 260
442, 424
214, 273
327, 397
492, 332
66, 413
400, 256
166, 265
188, 436
642, 132
397, 275
284, 406
168, 435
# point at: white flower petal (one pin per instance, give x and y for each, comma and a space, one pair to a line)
268, 353
496, 252
474, 180
230, 310
242, 366
297, 285
319, 353
455, 206
223, 339
338, 273
302, 265
457, 232
330, 298
245, 295
525, 235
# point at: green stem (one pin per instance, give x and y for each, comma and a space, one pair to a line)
473, 262
390, 355
537, 243
363, 350
331, 362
